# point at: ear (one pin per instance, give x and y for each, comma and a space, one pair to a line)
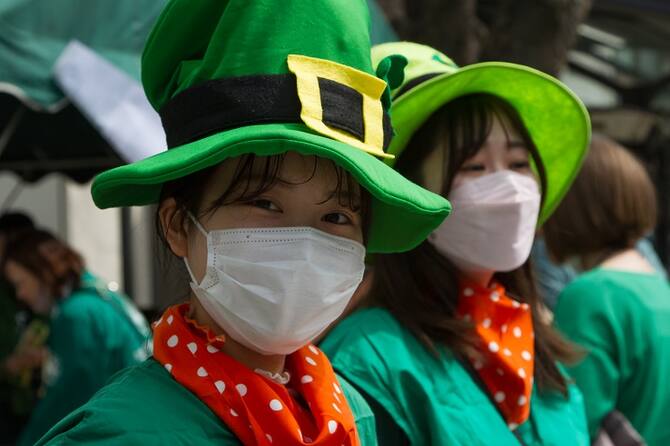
173, 227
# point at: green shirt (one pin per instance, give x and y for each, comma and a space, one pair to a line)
622, 319
434, 400
145, 406
91, 338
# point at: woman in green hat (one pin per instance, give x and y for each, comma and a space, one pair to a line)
271, 195
454, 348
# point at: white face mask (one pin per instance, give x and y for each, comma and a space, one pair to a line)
275, 289
493, 223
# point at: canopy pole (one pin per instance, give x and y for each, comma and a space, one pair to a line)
11, 126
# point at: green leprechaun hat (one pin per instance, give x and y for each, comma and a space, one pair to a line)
265, 77
556, 119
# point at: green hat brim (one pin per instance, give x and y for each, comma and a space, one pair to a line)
546, 107
397, 203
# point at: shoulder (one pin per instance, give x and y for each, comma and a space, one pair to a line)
608, 294
374, 339
598, 292
138, 407
367, 339
81, 303
585, 283
363, 326
382, 358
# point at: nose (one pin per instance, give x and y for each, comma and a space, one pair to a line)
497, 165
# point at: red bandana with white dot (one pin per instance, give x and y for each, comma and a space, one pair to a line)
504, 328
258, 410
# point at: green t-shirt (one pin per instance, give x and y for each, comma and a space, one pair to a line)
145, 406
622, 319
434, 400
91, 338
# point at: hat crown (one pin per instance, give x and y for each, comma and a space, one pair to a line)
194, 41
422, 60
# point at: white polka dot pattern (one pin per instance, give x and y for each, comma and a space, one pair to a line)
173, 341
505, 364
276, 405
241, 389
306, 379
249, 402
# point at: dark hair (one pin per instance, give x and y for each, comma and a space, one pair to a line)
420, 287
53, 262
610, 206
188, 191
11, 222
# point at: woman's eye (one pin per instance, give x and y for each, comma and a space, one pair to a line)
264, 204
520, 165
337, 218
473, 168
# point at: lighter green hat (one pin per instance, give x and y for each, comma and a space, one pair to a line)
266, 77
556, 119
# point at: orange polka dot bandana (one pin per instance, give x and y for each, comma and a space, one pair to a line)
310, 410
504, 328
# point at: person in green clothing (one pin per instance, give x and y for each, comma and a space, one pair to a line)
271, 194
618, 309
19, 368
93, 332
451, 346
10, 224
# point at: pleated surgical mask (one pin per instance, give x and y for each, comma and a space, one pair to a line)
275, 289
493, 222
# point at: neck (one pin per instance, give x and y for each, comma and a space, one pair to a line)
248, 357
481, 278
629, 260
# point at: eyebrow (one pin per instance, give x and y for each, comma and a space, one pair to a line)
516, 145
343, 196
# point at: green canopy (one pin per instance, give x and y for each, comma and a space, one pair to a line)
40, 130
33, 33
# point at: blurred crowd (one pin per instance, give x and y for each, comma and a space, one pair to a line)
64, 332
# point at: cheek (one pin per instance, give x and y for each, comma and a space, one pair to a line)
359, 235
197, 254
29, 292
353, 232
530, 173
458, 180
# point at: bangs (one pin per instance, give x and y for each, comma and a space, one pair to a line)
460, 129
255, 175
252, 177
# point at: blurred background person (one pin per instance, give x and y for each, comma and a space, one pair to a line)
552, 277
618, 309
17, 390
93, 332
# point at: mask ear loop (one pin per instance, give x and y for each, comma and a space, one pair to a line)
204, 232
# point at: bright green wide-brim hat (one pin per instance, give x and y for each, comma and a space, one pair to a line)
554, 116
205, 46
